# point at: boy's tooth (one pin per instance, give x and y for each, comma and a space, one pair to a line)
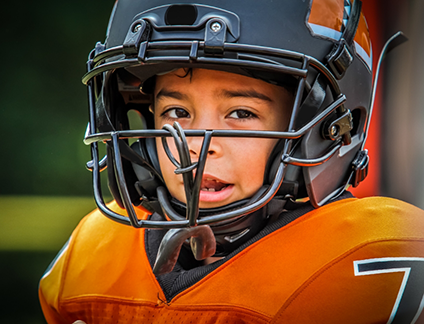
208, 189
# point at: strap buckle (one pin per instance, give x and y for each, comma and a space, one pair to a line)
340, 59
360, 168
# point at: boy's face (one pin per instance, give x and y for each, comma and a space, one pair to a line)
210, 99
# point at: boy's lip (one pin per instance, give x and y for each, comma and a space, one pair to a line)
214, 189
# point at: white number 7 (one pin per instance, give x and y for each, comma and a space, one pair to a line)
410, 299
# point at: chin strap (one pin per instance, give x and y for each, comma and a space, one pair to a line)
359, 168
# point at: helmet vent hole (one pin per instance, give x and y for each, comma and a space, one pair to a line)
181, 15
356, 120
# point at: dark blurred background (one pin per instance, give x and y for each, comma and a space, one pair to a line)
44, 187
43, 114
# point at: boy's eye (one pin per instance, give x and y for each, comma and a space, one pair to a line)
176, 113
240, 113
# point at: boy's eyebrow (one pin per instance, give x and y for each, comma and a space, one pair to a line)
251, 93
171, 94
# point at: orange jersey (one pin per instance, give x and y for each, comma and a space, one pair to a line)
351, 261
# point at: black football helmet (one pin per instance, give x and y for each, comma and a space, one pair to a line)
319, 48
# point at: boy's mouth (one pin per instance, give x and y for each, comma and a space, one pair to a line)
214, 191
212, 185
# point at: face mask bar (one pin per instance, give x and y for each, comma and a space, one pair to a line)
177, 221
97, 60
186, 168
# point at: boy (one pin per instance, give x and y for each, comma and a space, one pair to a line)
253, 118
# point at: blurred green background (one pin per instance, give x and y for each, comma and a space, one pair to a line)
45, 45
44, 187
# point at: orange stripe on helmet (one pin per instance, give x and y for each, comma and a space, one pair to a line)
327, 13
362, 36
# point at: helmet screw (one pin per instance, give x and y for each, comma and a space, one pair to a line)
334, 130
216, 26
136, 28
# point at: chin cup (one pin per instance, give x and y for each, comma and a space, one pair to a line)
202, 242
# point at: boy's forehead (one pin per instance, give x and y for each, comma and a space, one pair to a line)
224, 84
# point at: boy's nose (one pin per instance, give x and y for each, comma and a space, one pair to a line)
195, 147
205, 119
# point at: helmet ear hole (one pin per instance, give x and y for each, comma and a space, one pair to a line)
358, 120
